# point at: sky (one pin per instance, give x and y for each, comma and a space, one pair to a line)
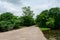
15, 6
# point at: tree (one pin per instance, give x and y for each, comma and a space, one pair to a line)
27, 18
49, 18
42, 18
27, 11
8, 21
55, 13
26, 21
6, 26
50, 22
6, 16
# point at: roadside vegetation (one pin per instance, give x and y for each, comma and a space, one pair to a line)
8, 21
49, 22
49, 18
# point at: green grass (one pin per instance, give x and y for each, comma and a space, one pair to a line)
43, 29
51, 34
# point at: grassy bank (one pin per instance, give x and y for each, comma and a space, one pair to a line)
43, 29
51, 34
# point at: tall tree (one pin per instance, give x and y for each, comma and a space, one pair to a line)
55, 13
49, 18
27, 18
27, 11
42, 18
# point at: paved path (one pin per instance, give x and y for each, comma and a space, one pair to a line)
27, 33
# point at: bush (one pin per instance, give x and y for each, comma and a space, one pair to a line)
8, 21
41, 19
49, 18
26, 21
17, 24
6, 16
50, 23
6, 26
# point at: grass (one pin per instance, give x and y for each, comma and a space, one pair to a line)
43, 29
51, 34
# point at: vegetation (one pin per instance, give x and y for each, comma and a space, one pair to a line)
44, 29
8, 21
49, 18
27, 18
52, 34
26, 21
6, 25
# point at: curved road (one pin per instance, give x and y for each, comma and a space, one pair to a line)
27, 33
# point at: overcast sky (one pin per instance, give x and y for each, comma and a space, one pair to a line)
37, 6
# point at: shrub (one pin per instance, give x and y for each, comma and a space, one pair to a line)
42, 18
6, 16
6, 26
50, 23
8, 21
26, 21
17, 24
27, 18
49, 18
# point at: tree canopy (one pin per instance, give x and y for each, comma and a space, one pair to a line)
27, 11
49, 18
27, 18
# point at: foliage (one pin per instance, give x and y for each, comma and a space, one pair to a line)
42, 18
49, 18
16, 23
55, 13
26, 21
50, 22
5, 26
27, 11
6, 16
8, 21
27, 18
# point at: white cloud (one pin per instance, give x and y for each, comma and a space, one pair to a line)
8, 7
40, 4
37, 6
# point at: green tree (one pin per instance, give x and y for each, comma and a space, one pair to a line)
42, 18
55, 13
26, 21
27, 11
8, 21
6, 26
27, 18
50, 22
49, 18
6, 16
